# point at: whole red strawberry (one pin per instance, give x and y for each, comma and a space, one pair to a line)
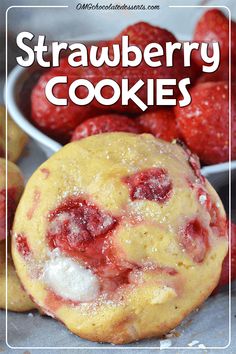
56, 121
224, 277
161, 124
221, 74
105, 124
142, 33
204, 123
213, 26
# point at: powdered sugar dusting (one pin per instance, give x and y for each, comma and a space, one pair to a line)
166, 343
202, 198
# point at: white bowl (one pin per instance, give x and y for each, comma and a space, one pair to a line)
16, 80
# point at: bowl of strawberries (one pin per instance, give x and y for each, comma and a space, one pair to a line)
207, 125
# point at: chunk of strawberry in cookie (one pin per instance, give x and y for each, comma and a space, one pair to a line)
22, 245
105, 124
76, 222
194, 239
79, 229
153, 184
218, 222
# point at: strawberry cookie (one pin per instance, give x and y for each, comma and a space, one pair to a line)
17, 299
14, 190
119, 236
16, 138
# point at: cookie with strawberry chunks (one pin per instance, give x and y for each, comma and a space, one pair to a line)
17, 299
105, 124
16, 138
123, 237
213, 26
56, 121
14, 190
204, 123
161, 124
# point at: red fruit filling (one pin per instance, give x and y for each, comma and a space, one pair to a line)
194, 239
36, 199
78, 228
22, 245
193, 161
204, 198
218, 223
46, 172
152, 184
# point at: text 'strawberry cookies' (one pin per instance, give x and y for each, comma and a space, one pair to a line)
122, 241
14, 189
140, 34
204, 124
105, 124
162, 124
16, 138
17, 299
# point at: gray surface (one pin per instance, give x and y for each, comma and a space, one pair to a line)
208, 326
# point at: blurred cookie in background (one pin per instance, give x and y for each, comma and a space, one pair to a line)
17, 299
16, 138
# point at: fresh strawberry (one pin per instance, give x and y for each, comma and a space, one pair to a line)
204, 123
213, 26
56, 121
161, 124
104, 124
224, 277
221, 74
142, 33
